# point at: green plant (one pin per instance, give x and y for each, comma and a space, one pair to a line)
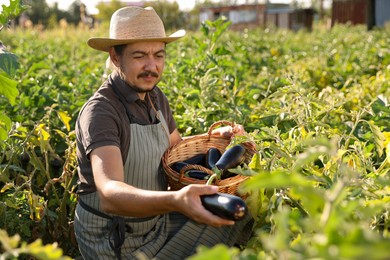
315, 104
8, 65
15, 248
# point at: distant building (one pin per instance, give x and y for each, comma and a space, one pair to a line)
261, 15
290, 18
373, 13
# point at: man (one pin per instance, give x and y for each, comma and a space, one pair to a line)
125, 210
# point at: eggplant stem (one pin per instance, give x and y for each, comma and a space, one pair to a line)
216, 175
211, 179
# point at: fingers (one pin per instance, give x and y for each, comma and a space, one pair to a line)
230, 132
210, 219
195, 210
227, 132
209, 189
238, 129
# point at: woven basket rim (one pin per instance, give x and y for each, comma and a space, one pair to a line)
194, 145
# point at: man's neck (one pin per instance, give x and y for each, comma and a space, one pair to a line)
142, 95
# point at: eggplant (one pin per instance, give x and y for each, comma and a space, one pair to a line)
197, 174
231, 158
212, 157
227, 174
199, 159
177, 166
225, 205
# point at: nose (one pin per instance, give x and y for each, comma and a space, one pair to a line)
151, 64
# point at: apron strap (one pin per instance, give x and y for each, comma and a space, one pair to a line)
117, 235
158, 117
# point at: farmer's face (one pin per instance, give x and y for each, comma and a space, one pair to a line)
141, 64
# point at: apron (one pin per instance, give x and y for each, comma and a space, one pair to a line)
168, 236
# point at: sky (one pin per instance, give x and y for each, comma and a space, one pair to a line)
64, 4
184, 5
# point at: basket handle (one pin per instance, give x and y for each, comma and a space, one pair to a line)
194, 167
218, 123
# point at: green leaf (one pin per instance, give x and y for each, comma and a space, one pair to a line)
220, 252
65, 119
254, 202
380, 105
37, 67
3, 134
275, 179
310, 155
8, 62
379, 138
14, 9
8, 88
222, 51
7, 186
5, 126
7, 242
255, 162
49, 251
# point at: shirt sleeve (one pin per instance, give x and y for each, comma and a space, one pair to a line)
98, 126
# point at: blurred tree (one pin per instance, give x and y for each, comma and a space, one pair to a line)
59, 14
74, 13
52, 21
107, 9
170, 14
39, 12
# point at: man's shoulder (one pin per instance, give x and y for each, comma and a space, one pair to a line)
159, 94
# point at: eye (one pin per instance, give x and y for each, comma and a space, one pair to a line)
160, 54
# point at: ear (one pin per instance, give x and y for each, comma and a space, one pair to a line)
114, 57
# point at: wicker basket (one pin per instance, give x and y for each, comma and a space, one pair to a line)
200, 144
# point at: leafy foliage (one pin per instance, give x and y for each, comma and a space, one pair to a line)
8, 65
11, 11
15, 248
315, 104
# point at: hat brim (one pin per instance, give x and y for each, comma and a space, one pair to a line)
104, 44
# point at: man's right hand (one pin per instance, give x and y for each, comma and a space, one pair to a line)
190, 204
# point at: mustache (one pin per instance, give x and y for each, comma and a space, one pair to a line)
147, 74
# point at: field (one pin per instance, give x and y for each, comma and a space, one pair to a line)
316, 104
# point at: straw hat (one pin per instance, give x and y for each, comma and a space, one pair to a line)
134, 24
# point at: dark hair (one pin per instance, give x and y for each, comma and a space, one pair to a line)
119, 49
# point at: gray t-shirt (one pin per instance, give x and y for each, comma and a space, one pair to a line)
103, 121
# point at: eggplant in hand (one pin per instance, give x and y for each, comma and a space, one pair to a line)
225, 205
231, 158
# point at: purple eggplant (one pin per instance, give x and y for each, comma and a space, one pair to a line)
225, 205
177, 166
231, 158
212, 157
199, 159
197, 174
